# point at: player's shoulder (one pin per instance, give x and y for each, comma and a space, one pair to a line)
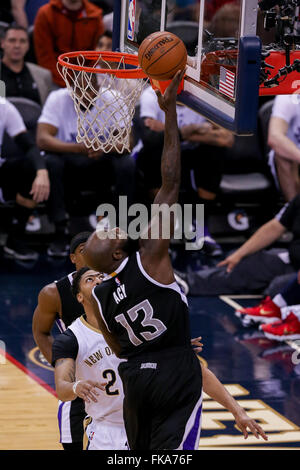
65, 346
67, 337
49, 294
66, 279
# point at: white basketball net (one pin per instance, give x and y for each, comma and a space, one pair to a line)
104, 103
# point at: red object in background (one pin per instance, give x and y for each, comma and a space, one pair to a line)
289, 84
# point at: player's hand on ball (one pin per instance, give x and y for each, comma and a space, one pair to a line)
87, 390
245, 423
167, 101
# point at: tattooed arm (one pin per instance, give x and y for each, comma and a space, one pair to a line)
65, 377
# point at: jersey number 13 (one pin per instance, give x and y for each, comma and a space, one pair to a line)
157, 326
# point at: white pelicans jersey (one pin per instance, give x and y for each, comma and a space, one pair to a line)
96, 361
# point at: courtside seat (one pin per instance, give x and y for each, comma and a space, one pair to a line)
29, 110
247, 191
246, 170
250, 174
244, 183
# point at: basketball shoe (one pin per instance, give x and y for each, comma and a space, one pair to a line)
288, 329
265, 312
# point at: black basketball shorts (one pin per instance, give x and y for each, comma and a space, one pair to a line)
163, 400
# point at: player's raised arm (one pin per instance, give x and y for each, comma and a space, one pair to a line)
154, 246
170, 162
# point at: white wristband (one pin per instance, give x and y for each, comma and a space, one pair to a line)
75, 385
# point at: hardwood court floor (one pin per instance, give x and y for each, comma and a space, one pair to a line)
258, 372
30, 412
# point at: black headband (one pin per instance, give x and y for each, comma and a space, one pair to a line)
78, 239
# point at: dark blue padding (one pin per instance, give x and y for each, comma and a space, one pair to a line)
247, 92
116, 25
249, 67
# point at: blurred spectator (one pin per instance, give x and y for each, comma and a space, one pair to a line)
251, 268
104, 42
64, 26
24, 11
212, 6
76, 167
226, 21
284, 139
203, 147
104, 80
186, 10
23, 179
23, 78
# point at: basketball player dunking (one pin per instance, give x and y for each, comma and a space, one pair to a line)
57, 304
144, 318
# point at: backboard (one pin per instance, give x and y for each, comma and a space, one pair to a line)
222, 79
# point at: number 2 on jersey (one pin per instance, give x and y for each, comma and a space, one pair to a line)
148, 320
111, 376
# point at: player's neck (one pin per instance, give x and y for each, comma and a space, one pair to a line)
90, 317
114, 267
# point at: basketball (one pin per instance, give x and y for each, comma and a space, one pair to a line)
161, 55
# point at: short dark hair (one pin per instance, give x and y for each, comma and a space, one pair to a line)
79, 238
107, 33
76, 280
17, 27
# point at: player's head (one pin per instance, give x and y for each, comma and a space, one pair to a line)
84, 281
105, 250
76, 249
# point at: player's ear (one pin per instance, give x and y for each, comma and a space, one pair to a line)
117, 255
72, 258
79, 297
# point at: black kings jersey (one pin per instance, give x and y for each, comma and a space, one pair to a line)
143, 314
70, 307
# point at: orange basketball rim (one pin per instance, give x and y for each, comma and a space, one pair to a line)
105, 87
